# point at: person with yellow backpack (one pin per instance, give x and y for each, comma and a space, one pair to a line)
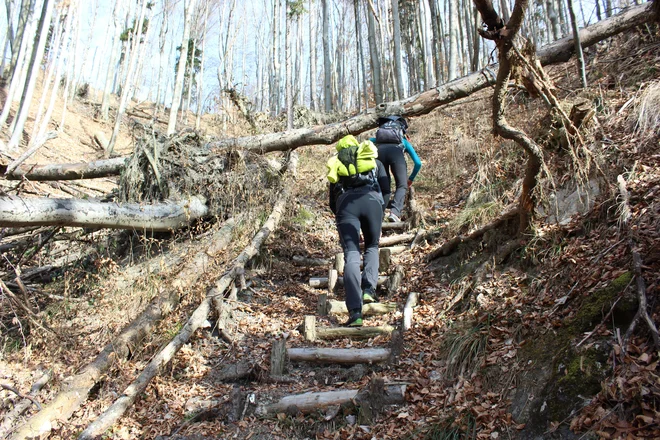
356, 179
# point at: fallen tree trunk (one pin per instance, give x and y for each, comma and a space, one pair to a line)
198, 317
339, 355
427, 101
68, 171
17, 211
76, 388
309, 402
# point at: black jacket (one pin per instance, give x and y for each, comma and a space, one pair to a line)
381, 179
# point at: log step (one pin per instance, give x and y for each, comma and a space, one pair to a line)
312, 332
394, 225
333, 307
339, 355
321, 282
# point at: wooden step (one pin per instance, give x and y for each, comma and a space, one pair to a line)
339, 355
312, 332
321, 282
328, 306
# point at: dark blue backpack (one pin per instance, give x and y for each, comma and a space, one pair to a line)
391, 130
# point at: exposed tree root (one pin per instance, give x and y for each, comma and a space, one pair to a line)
642, 311
24, 404
450, 246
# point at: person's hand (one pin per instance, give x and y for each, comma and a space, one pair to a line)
409, 183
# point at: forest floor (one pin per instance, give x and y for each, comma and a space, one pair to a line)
537, 347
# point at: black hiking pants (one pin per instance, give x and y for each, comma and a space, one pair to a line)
395, 163
359, 209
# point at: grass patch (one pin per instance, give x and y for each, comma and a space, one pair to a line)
465, 347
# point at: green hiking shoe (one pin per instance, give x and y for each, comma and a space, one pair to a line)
368, 298
354, 319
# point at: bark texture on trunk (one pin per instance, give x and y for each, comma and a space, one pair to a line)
17, 212
67, 171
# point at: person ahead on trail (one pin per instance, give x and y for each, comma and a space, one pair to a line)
392, 141
356, 178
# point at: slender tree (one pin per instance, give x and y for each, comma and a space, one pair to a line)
578, 45
436, 39
32, 73
360, 55
327, 63
453, 39
126, 92
200, 85
188, 7
375, 56
312, 56
398, 69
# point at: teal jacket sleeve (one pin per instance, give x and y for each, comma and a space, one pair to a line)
417, 163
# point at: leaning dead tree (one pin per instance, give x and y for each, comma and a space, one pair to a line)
503, 35
213, 299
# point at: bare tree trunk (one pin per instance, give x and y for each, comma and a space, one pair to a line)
437, 50
578, 45
504, 43
26, 11
162, 39
17, 211
554, 19
91, 170
453, 39
112, 65
376, 72
128, 84
312, 56
188, 6
288, 24
398, 68
200, 84
33, 71
327, 67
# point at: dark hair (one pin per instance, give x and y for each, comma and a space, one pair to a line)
395, 118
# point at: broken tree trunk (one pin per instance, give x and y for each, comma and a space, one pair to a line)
76, 388
18, 211
339, 355
310, 402
411, 303
198, 317
68, 171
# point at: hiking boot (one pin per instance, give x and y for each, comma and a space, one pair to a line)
369, 298
354, 319
393, 218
